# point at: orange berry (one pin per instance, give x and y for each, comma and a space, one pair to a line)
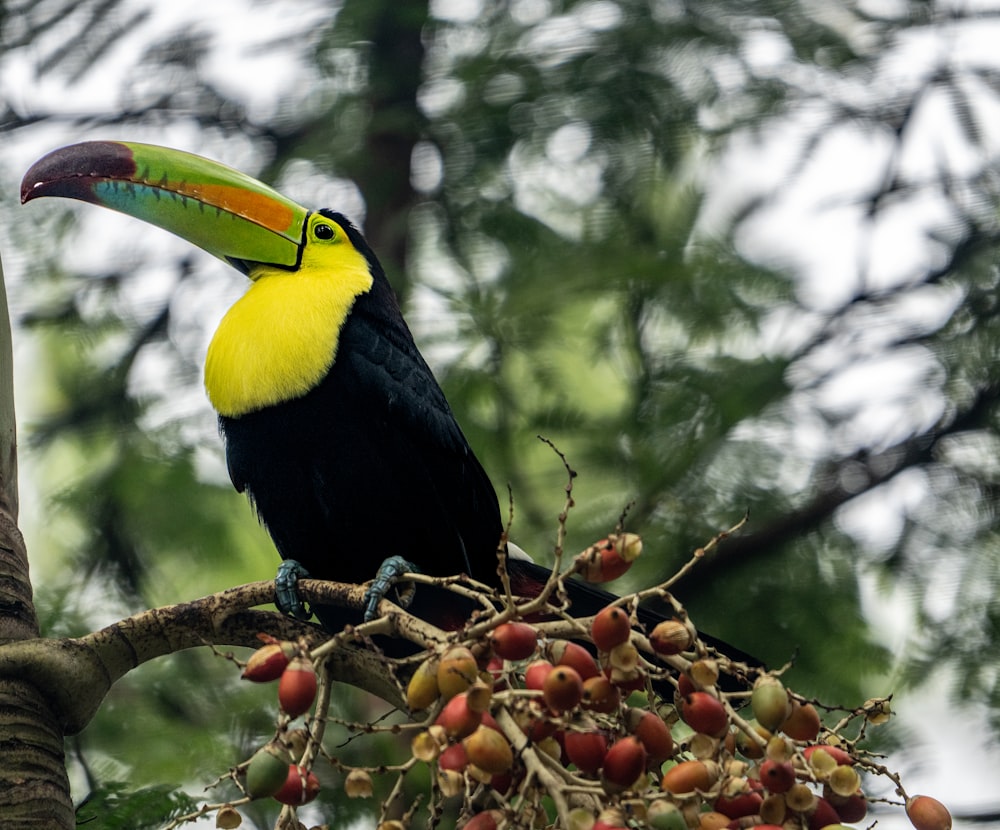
712, 821
926, 813
562, 689
489, 750
610, 627
297, 687
803, 723
599, 695
686, 777
670, 637
611, 557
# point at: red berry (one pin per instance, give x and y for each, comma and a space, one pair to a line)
457, 718
482, 821
610, 558
297, 687
514, 640
777, 776
536, 722
565, 653
653, 732
823, 815
624, 762
491, 722
611, 818
453, 757
738, 806
586, 750
704, 713
851, 809
268, 662
685, 685
535, 674
301, 786
627, 681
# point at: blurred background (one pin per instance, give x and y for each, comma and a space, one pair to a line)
725, 255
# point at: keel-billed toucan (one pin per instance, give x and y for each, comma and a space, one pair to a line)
334, 425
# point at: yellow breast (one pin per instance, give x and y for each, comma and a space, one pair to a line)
280, 338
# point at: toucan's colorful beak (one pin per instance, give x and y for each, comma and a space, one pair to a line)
221, 210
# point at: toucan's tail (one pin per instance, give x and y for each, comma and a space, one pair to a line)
528, 578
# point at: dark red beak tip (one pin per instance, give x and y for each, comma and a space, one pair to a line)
72, 171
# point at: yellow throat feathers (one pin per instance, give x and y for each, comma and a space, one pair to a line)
279, 339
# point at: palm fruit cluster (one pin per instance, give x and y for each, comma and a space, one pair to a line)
737, 753
597, 724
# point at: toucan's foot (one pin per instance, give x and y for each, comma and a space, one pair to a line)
388, 575
286, 592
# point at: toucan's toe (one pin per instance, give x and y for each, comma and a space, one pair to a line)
388, 575
286, 593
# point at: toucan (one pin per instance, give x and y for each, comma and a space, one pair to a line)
334, 425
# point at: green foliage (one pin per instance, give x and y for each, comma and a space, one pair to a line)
117, 806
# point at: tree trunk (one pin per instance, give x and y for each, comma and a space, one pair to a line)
394, 32
34, 788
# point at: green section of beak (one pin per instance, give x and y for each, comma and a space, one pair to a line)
228, 213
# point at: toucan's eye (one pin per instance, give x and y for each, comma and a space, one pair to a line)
323, 231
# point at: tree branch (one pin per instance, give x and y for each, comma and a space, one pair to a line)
75, 674
873, 470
